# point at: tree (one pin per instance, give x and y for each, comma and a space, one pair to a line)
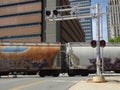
116, 39
110, 40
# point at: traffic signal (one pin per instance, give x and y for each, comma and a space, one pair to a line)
48, 13
55, 12
102, 43
51, 13
93, 43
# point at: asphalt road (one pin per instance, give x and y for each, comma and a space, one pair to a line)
62, 82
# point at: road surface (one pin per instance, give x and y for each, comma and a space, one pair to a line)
62, 82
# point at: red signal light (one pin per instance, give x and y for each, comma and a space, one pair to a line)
102, 43
48, 13
55, 12
93, 43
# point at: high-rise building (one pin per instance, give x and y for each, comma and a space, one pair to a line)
86, 23
113, 18
24, 21
21, 20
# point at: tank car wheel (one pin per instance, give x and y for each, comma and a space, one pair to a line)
71, 74
84, 74
41, 74
55, 75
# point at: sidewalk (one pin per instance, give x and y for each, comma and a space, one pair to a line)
112, 83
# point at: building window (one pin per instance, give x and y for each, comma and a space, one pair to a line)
20, 25
21, 14
21, 3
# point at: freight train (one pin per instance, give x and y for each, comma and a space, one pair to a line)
51, 59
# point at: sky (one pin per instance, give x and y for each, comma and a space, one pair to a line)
103, 20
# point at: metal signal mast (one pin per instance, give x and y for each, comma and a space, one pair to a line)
68, 13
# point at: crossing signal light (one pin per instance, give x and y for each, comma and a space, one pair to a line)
93, 43
102, 43
48, 13
55, 12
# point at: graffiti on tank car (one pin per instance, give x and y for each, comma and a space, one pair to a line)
14, 49
27, 57
108, 64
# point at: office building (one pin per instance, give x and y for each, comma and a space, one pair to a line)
113, 18
24, 21
86, 23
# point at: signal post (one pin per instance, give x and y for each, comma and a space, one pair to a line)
99, 77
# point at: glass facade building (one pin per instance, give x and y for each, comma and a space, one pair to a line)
86, 23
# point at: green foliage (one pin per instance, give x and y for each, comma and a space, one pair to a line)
110, 40
116, 39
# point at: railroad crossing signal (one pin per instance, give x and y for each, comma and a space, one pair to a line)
51, 13
94, 43
55, 12
102, 43
48, 13
55, 17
